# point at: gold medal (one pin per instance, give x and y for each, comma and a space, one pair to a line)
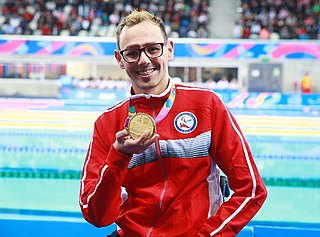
139, 123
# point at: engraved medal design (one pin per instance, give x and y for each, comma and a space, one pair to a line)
139, 123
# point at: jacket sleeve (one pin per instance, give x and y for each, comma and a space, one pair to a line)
103, 173
232, 154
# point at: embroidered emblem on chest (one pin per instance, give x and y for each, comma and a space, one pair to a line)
185, 122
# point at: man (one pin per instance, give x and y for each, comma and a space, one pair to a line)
152, 164
306, 83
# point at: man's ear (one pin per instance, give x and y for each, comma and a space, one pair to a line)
170, 50
118, 57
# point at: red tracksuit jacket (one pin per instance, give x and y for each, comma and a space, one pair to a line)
172, 189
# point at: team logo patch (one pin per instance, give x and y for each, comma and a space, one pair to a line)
185, 122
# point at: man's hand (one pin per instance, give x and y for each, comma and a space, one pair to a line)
126, 145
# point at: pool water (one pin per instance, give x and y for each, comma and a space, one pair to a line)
42, 150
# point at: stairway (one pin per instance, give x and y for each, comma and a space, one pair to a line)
222, 17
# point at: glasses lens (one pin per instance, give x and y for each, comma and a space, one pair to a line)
154, 50
131, 55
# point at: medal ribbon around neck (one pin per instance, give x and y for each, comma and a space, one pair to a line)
164, 110
167, 105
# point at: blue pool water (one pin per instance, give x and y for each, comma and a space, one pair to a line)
42, 149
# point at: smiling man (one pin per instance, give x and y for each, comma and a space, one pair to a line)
148, 71
154, 159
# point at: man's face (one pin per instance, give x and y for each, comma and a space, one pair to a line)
148, 75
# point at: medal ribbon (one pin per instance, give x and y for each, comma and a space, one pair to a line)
163, 112
167, 105
131, 111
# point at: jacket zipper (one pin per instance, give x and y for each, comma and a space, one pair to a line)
158, 153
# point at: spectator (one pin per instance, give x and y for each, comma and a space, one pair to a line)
306, 86
246, 32
264, 33
295, 19
223, 83
57, 17
100, 83
237, 30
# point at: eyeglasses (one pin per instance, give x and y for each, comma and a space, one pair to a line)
133, 55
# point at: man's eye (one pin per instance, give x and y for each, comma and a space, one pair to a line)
131, 53
153, 49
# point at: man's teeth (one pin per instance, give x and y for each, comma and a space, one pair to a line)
146, 72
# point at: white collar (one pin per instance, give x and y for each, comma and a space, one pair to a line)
148, 96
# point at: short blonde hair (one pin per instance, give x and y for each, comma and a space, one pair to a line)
136, 17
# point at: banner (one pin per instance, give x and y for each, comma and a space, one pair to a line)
203, 48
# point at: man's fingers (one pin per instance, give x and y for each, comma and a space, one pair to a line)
122, 134
151, 140
144, 136
125, 144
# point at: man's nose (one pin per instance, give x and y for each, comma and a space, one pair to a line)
143, 57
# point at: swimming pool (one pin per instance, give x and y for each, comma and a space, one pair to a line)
43, 144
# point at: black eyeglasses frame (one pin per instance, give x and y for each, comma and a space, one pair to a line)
140, 51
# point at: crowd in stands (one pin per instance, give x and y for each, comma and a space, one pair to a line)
265, 19
182, 18
279, 19
100, 83
223, 83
